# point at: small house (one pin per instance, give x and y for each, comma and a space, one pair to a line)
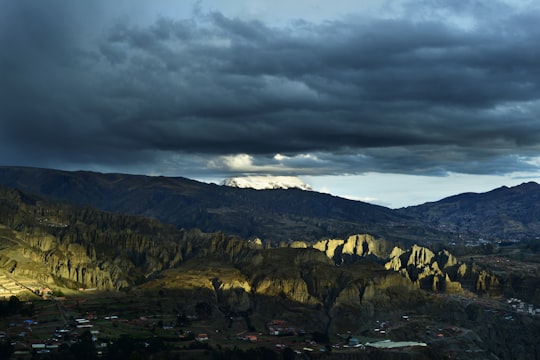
202, 337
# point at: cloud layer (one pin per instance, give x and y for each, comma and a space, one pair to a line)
428, 87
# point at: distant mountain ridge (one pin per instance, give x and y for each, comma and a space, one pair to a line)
505, 213
285, 215
273, 215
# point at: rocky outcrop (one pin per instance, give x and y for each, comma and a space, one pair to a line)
488, 283
298, 245
424, 268
373, 290
73, 265
235, 293
452, 286
294, 274
294, 289
442, 271
346, 251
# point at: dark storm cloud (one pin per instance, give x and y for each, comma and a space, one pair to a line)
412, 94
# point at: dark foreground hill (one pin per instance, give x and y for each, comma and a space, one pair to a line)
272, 215
506, 213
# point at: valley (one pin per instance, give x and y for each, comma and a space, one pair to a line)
79, 280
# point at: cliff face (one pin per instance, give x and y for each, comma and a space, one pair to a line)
346, 251
425, 269
419, 265
442, 272
94, 249
289, 274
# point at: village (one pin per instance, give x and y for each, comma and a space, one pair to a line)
50, 325
38, 321
44, 323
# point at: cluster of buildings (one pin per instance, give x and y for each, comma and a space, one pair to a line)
281, 328
20, 335
521, 306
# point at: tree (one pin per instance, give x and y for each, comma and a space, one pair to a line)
203, 310
182, 320
14, 304
6, 350
84, 348
320, 337
289, 354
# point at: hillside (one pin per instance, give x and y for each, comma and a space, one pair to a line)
81, 247
506, 213
332, 286
285, 215
272, 215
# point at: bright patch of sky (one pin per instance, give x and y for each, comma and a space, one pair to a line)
398, 190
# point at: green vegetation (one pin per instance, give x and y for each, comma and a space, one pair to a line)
11, 306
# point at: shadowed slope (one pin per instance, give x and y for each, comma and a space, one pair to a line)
274, 215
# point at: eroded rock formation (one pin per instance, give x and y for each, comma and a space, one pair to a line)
345, 251
424, 268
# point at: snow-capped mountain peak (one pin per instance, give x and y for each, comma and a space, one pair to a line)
261, 182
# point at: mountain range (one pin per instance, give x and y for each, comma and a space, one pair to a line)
278, 215
285, 215
505, 213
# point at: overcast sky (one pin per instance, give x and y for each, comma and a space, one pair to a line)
393, 102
